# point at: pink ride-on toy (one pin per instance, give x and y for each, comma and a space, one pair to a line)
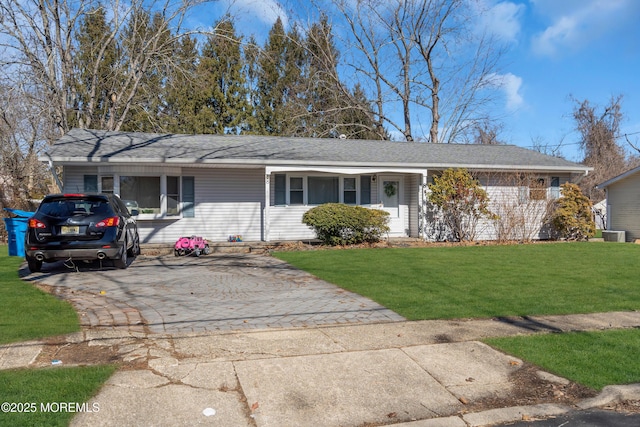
195, 245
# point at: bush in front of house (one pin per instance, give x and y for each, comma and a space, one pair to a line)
338, 224
462, 201
572, 218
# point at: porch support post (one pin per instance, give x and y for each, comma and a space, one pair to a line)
422, 200
265, 211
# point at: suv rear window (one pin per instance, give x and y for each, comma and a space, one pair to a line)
60, 208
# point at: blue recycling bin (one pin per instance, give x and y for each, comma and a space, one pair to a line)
17, 230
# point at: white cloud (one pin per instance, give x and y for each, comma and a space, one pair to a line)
502, 19
510, 84
575, 23
266, 11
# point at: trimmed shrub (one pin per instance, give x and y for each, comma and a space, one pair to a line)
338, 224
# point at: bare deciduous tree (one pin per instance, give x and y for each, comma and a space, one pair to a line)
423, 55
599, 132
38, 47
541, 146
46, 90
487, 134
21, 174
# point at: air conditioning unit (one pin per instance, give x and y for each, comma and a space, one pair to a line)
613, 236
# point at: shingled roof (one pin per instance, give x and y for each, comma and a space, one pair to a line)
95, 146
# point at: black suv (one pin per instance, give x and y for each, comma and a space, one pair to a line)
81, 227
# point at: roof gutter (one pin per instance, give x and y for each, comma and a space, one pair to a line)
313, 163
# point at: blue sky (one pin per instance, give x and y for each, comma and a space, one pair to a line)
588, 49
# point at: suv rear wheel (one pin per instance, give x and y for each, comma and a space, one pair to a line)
122, 261
134, 251
34, 265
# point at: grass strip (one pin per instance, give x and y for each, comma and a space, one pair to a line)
49, 397
594, 359
26, 312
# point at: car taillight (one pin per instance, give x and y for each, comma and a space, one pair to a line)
34, 223
109, 222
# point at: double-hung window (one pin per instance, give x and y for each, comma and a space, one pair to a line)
296, 190
173, 195
349, 194
106, 183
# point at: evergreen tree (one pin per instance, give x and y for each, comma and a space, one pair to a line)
334, 110
182, 89
572, 217
278, 76
226, 106
95, 62
325, 94
251, 72
357, 120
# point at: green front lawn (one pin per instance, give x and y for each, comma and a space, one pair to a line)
485, 281
595, 359
518, 280
37, 397
34, 396
26, 312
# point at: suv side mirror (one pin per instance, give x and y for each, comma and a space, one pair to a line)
134, 212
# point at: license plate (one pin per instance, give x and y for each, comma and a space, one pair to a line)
65, 229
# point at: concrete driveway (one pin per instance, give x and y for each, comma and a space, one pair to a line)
225, 292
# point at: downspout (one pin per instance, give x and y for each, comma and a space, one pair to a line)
608, 208
580, 177
422, 200
267, 201
53, 172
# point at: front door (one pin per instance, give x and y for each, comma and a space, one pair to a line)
390, 196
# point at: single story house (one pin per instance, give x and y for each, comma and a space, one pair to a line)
258, 187
623, 203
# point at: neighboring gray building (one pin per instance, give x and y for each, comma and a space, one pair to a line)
259, 187
623, 203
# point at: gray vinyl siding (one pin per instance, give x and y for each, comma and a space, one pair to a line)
228, 202
623, 206
73, 178
286, 223
519, 220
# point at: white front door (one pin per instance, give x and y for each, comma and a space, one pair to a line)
390, 193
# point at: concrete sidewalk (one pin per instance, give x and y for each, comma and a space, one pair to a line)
427, 373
